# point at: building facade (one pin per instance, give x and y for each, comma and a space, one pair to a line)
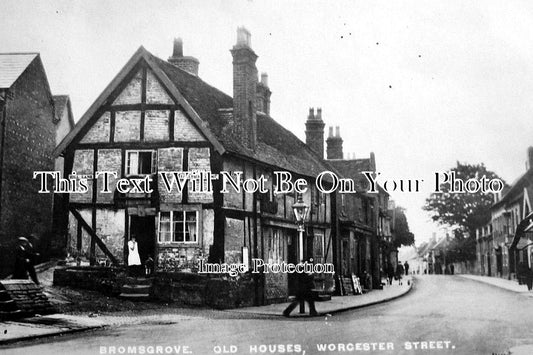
158, 117
362, 220
503, 244
27, 139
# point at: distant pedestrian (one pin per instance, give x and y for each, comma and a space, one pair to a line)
406, 267
399, 272
25, 258
390, 272
304, 292
452, 269
134, 260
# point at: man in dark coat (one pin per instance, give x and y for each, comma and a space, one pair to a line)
399, 272
304, 292
24, 260
390, 272
406, 267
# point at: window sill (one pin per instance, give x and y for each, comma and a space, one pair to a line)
178, 244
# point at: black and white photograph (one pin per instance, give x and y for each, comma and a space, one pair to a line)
228, 177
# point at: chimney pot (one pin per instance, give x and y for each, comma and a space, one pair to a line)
311, 113
319, 113
188, 64
330, 132
264, 79
243, 37
529, 158
178, 48
337, 131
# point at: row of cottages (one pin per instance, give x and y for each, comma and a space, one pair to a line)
32, 122
364, 243
159, 116
504, 245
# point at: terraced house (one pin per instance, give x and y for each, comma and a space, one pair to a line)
159, 116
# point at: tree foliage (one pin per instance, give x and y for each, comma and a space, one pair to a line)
467, 211
402, 235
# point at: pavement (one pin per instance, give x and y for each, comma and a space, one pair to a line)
510, 285
60, 324
44, 326
337, 303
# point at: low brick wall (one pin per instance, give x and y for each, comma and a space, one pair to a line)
107, 280
185, 288
203, 290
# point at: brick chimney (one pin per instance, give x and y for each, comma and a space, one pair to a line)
263, 95
244, 89
529, 162
334, 144
188, 64
314, 131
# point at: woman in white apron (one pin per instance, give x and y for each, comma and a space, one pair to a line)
134, 261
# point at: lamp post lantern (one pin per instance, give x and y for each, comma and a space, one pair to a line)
301, 210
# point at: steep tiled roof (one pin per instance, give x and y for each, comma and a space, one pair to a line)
526, 180
12, 65
352, 168
276, 145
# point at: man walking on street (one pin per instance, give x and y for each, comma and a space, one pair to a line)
399, 272
304, 292
406, 267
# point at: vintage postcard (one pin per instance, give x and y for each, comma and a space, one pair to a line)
266, 177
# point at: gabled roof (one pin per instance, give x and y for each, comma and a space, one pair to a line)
140, 54
12, 65
276, 145
524, 181
353, 168
62, 103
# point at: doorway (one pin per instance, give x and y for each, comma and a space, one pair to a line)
143, 229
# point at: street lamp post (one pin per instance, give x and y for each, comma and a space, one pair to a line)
301, 210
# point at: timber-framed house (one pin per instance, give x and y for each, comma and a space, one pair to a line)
158, 116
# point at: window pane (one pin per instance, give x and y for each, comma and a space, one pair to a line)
190, 227
164, 227
145, 163
132, 167
178, 227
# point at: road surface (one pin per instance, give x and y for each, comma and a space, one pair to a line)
441, 315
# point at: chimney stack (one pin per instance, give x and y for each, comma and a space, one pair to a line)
244, 89
334, 144
529, 163
314, 132
263, 95
186, 63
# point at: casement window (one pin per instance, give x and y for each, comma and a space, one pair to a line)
178, 227
141, 162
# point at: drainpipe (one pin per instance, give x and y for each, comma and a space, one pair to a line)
3, 99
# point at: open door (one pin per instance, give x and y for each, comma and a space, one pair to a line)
143, 228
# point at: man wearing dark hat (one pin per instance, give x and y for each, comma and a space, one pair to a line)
24, 260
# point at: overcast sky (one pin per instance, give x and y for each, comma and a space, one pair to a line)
423, 84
